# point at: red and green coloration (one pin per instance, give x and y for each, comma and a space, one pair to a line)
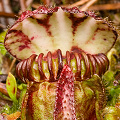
64, 99
64, 105
40, 68
63, 56
50, 29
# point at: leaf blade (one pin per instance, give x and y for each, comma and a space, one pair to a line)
11, 86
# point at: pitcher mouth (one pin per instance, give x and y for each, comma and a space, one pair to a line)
48, 68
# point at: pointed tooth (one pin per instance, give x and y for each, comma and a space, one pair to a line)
93, 64
24, 69
30, 61
77, 57
49, 59
68, 58
39, 60
60, 62
87, 65
99, 66
19, 70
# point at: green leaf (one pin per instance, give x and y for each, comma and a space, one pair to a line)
22, 95
2, 49
6, 109
110, 113
22, 86
108, 78
2, 36
112, 59
11, 86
